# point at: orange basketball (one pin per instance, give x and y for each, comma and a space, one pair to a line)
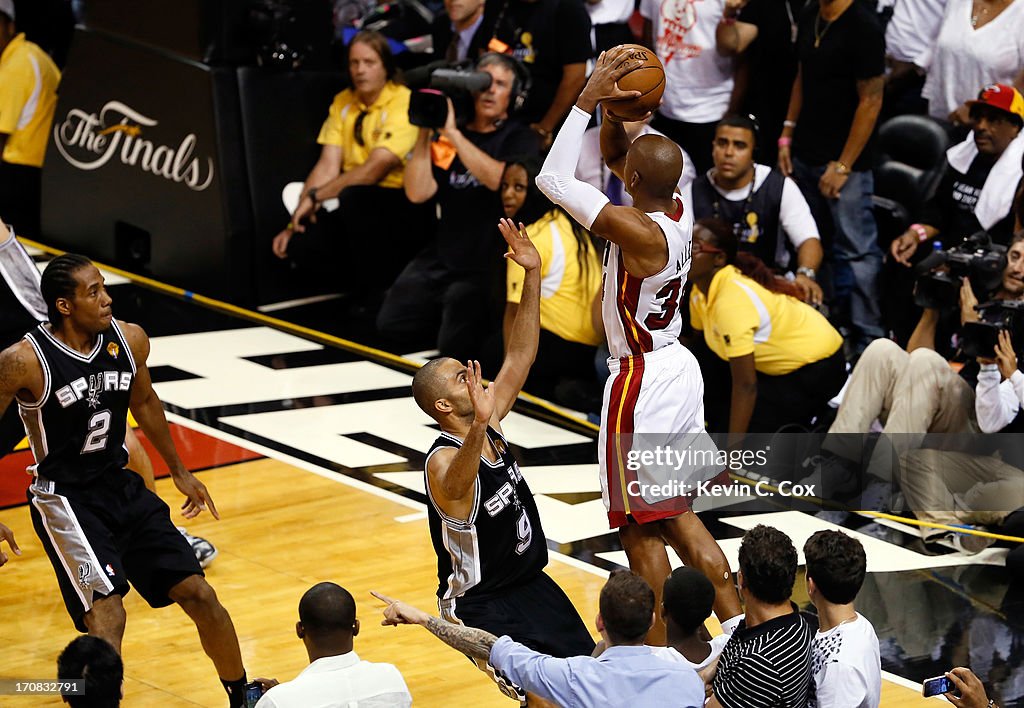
648, 79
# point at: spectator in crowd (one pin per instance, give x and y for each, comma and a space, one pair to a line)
699, 80
956, 488
592, 169
759, 203
980, 42
95, 663
627, 672
552, 38
970, 692
610, 20
785, 360
767, 661
448, 295
685, 604
764, 33
845, 664
909, 38
830, 126
365, 140
977, 188
570, 283
455, 31
911, 392
336, 676
28, 98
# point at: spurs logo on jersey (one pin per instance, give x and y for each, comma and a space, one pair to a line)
642, 314
76, 428
498, 548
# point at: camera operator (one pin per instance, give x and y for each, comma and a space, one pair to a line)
981, 173
450, 295
912, 392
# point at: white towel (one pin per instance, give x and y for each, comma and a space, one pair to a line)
996, 198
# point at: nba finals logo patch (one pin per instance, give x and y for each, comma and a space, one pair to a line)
113, 350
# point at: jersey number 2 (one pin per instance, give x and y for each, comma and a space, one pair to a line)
99, 427
525, 533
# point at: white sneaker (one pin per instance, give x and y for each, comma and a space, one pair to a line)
204, 550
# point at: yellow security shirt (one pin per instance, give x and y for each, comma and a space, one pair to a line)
739, 316
28, 98
566, 291
385, 124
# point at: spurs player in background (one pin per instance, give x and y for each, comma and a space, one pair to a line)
655, 387
74, 380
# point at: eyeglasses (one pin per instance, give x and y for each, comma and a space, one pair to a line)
357, 129
699, 246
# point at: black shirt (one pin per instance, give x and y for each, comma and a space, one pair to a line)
467, 234
851, 49
951, 208
545, 35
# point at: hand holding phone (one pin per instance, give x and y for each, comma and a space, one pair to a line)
936, 686
961, 687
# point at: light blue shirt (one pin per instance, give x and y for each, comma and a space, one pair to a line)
621, 676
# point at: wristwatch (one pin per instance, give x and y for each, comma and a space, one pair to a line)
841, 168
807, 271
312, 194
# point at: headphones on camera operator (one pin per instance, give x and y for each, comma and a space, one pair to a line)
521, 81
435, 82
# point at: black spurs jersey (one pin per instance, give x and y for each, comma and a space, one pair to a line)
502, 543
76, 428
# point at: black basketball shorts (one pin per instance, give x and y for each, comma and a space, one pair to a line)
109, 535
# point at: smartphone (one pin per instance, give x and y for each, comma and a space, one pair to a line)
936, 686
253, 693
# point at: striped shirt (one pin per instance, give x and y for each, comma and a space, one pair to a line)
768, 665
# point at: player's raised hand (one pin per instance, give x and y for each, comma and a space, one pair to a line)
611, 66
482, 398
197, 497
522, 250
7, 535
398, 612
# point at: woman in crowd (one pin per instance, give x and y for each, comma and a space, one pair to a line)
570, 321
785, 360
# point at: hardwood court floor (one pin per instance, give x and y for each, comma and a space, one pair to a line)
282, 529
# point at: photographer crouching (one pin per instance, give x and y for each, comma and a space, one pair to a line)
917, 391
451, 294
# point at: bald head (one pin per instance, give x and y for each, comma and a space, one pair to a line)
428, 385
658, 162
327, 608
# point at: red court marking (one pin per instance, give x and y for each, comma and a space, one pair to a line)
197, 450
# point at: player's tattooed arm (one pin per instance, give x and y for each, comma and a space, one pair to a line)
15, 373
472, 642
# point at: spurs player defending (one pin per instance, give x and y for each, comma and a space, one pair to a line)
655, 387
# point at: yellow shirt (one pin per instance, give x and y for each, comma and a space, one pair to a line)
28, 98
566, 291
384, 125
740, 317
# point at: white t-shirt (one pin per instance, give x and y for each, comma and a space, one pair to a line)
965, 60
912, 29
591, 168
699, 78
608, 12
342, 681
794, 213
670, 654
845, 667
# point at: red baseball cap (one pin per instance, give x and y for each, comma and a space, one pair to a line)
1005, 98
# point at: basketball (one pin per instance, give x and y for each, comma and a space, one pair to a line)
648, 79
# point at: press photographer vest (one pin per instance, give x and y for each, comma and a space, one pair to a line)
755, 219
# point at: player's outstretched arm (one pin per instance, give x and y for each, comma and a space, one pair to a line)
525, 334
149, 411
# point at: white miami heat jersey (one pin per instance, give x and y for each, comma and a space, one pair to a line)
642, 314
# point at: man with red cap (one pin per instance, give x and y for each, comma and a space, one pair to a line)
981, 177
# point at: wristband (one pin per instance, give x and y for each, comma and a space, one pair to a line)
726, 20
922, 233
789, 124
785, 142
808, 272
291, 226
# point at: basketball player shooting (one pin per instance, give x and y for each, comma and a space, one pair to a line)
655, 387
